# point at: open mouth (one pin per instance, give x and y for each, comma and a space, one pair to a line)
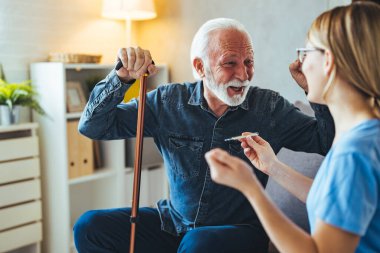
232, 90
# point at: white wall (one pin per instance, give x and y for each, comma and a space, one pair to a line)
277, 28
333, 3
30, 29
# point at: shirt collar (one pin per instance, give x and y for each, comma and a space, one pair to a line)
197, 98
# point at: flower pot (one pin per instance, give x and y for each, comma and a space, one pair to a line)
9, 116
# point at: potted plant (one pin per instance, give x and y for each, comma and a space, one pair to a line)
14, 95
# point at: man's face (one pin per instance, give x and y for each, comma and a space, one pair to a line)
223, 91
230, 67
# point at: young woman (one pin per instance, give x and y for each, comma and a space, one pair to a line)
341, 64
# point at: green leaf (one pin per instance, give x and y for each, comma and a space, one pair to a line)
22, 93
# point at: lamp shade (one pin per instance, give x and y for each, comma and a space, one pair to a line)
129, 9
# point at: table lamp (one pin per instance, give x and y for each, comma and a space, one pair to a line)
129, 10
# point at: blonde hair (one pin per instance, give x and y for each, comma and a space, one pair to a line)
352, 34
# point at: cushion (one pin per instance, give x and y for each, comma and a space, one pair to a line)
305, 163
295, 209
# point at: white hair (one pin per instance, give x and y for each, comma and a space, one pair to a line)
200, 44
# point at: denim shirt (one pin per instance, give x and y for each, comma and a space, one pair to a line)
184, 129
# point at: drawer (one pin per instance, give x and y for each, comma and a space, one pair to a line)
20, 214
21, 236
16, 148
19, 170
20, 192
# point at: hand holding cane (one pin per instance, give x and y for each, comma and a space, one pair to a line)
138, 157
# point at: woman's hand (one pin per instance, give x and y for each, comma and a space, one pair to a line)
259, 152
230, 171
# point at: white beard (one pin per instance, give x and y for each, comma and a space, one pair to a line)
220, 90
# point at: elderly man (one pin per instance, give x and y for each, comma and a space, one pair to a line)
187, 120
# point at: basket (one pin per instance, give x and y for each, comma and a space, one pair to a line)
74, 58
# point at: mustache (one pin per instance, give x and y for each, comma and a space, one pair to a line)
237, 83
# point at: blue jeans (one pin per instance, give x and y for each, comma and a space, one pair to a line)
103, 231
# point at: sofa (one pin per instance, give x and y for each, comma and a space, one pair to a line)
306, 164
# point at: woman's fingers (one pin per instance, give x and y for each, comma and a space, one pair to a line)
259, 140
218, 166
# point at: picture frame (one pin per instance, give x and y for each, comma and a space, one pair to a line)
76, 100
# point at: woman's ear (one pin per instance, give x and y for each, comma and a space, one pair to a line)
198, 65
329, 63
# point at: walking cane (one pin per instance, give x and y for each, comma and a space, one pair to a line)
138, 157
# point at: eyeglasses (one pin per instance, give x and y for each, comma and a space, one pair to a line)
302, 52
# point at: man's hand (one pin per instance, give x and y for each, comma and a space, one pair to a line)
136, 62
298, 76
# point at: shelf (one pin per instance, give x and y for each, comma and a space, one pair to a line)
110, 185
18, 127
98, 174
72, 244
73, 115
20, 188
80, 66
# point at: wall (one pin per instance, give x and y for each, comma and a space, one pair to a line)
30, 29
277, 29
333, 3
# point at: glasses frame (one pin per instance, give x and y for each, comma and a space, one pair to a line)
302, 52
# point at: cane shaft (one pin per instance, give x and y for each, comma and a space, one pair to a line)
138, 159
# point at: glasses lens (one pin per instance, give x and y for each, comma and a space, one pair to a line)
301, 55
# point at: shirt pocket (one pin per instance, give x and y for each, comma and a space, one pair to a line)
185, 155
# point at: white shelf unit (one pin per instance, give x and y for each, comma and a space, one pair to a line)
108, 187
20, 189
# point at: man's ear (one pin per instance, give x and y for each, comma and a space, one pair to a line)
199, 67
329, 63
